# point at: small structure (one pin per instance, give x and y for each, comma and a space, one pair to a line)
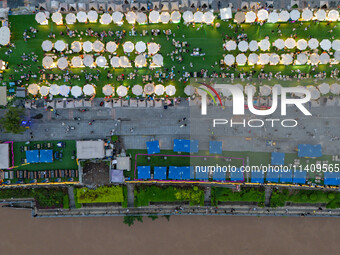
181, 145
153, 147
4, 156
277, 159
309, 151
215, 147
90, 149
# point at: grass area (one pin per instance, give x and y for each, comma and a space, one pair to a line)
146, 194
102, 194
78, 205
66, 202
219, 194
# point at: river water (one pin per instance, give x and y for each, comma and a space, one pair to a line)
22, 234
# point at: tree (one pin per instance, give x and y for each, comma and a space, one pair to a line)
130, 220
11, 122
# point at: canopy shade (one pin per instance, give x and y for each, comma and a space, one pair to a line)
33, 89
324, 88
44, 90
302, 59
274, 59
141, 18
60, 45
124, 61
250, 17
41, 18
325, 44
264, 44
82, 17
159, 90
241, 59
130, 17
253, 58
47, 45
77, 61
189, 90
128, 47
122, 91
240, 17
262, 15
198, 17
88, 60
314, 58
117, 17
188, 16
333, 15
71, 18
62, 63
111, 46
307, 15
253, 45
320, 15
290, 43
208, 17
76, 91
98, 46
149, 88
284, 16
108, 90
279, 44
92, 16
54, 89
243, 46
324, 59
229, 59
47, 62
64, 90
294, 15
265, 90
101, 61
165, 17
137, 90
175, 16
154, 17
114, 62
87, 46
105, 19
231, 45
170, 90
157, 60
313, 43
76, 46
273, 17
335, 89
264, 59
57, 18
140, 47
89, 90
250, 88
336, 44
140, 61
315, 93
302, 44
287, 59
153, 48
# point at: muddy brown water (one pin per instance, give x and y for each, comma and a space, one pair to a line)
22, 234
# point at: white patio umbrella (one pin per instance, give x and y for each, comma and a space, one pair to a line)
98, 46
64, 90
130, 17
264, 44
137, 90
241, 59
250, 17
335, 89
243, 46
140, 61
229, 59
264, 59
157, 60
47, 45
88, 60
124, 61
278, 87
337, 55
154, 17
284, 16
273, 17
307, 15
111, 46
302, 59
324, 59
101, 61
141, 18
315, 93
333, 15
153, 48
175, 17
114, 62
240, 17
82, 17
57, 18
71, 18
250, 87
107, 90
33, 89
77, 61
62, 63
253, 58
188, 16
76, 46
76, 91
92, 16
128, 47
313, 43
290, 43
314, 58
189, 90
140, 47
294, 15
279, 44
231, 45
5, 35
122, 91
89, 90
117, 17
274, 59
47, 62
253, 45
265, 90
301, 44
54, 89
44, 90
198, 17
60, 45
165, 17
336, 44
320, 15
287, 59
208, 17
262, 15
324, 88
41, 18
87, 46
105, 19
159, 89
325, 44
170, 90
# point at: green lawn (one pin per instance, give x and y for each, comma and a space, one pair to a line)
244, 195
100, 195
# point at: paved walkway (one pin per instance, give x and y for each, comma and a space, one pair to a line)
70, 191
131, 194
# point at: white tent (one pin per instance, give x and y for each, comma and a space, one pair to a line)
77, 61
188, 16
243, 46
313, 43
250, 87
253, 45
274, 59
241, 59
128, 47
47, 45
64, 90
336, 44
314, 58
198, 17
273, 17
170, 90
279, 44
47, 62
324, 88
279, 87
57, 18
87, 46
54, 89
229, 59
137, 90
307, 15
88, 60
140, 46
165, 17
141, 18
290, 43
324, 59
320, 15
41, 18
60, 45
33, 89
301, 44
250, 17
287, 59
175, 17
92, 16
44, 90
76, 46
189, 90
333, 15
89, 90
101, 61
105, 19
117, 17
153, 48
130, 17
264, 44
71, 18
159, 89
157, 60
337, 55
262, 15
208, 17
264, 59
62, 63
302, 59
265, 90
122, 91
325, 44
140, 61
284, 16
107, 90
226, 13
231, 45
315, 93
98, 46
111, 46
294, 15
335, 89
240, 17
76, 91
114, 61
253, 58
82, 17
124, 62
154, 17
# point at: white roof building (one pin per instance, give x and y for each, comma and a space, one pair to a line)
90, 149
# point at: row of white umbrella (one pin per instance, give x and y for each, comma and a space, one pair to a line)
149, 89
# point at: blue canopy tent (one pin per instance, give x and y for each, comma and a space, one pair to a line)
215, 147
159, 172
32, 156
181, 145
272, 176
299, 177
46, 156
153, 147
278, 158
331, 178
219, 176
184, 172
144, 172
286, 176
309, 151
174, 173
201, 175
257, 177
236, 175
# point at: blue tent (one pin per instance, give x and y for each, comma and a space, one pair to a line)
300, 177
219, 175
181, 145
184, 172
46, 156
278, 158
144, 172
236, 175
309, 150
159, 172
201, 175
286, 176
153, 147
174, 173
257, 177
215, 147
331, 178
273, 176
32, 156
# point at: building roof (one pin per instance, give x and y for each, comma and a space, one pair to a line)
4, 155
90, 149
123, 163
3, 95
